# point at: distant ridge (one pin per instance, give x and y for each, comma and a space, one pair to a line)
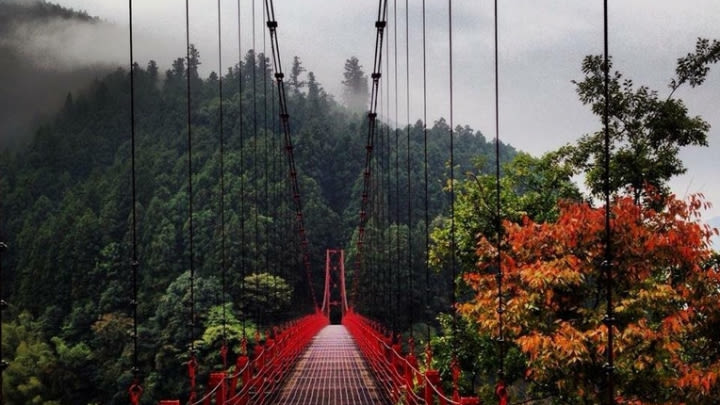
33, 90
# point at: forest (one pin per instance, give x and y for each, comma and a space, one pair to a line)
66, 202
67, 271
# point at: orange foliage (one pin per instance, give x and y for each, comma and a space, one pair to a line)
667, 347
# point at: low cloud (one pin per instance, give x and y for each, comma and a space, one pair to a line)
45, 57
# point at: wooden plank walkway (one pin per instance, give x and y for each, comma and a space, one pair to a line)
331, 372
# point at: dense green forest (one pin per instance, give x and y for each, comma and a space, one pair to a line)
66, 207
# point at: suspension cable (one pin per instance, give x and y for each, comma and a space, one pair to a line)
242, 176
134, 263
498, 222
425, 169
382, 208
380, 25
266, 141
410, 292
374, 279
388, 185
275, 192
452, 175
192, 363
3, 305
609, 319
397, 172
285, 125
223, 265
256, 172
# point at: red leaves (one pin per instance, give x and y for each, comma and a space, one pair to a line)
662, 292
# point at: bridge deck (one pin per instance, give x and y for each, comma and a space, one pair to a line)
331, 372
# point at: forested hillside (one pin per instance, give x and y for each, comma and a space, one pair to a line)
66, 207
37, 71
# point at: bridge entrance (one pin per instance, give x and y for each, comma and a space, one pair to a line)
334, 304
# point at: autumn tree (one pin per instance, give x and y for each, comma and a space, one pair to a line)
667, 344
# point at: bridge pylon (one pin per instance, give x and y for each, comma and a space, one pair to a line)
334, 304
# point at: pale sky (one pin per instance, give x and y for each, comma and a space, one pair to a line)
542, 43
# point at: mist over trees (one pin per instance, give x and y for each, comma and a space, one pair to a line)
355, 92
34, 82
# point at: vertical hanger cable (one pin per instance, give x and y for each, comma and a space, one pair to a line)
609, 319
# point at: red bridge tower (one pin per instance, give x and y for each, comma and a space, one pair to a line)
334, 304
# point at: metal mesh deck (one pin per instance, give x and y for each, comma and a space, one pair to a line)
331, 372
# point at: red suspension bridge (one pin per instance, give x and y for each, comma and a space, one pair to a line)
334, 356
354, 361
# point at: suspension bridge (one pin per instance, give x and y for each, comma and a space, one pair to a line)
333, 356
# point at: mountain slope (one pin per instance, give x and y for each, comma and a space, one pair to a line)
36, 41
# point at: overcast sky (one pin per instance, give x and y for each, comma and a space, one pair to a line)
541, 46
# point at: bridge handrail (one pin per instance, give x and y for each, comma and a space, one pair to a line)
289, 353
269, 365
387, 368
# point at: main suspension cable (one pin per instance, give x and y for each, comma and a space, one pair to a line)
285, 126
380, 24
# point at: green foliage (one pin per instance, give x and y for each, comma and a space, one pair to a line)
646, 131
44, 372
529, 187
223, 326
477, 354
267, 297
68, 222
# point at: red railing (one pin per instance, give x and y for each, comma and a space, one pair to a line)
253, 380
400, 376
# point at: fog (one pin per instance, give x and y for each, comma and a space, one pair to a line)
44, 58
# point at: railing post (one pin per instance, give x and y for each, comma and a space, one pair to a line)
455, 367
269, 354
216, 380
432, 379
501, 393
258, 354
413, 365
242, 371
